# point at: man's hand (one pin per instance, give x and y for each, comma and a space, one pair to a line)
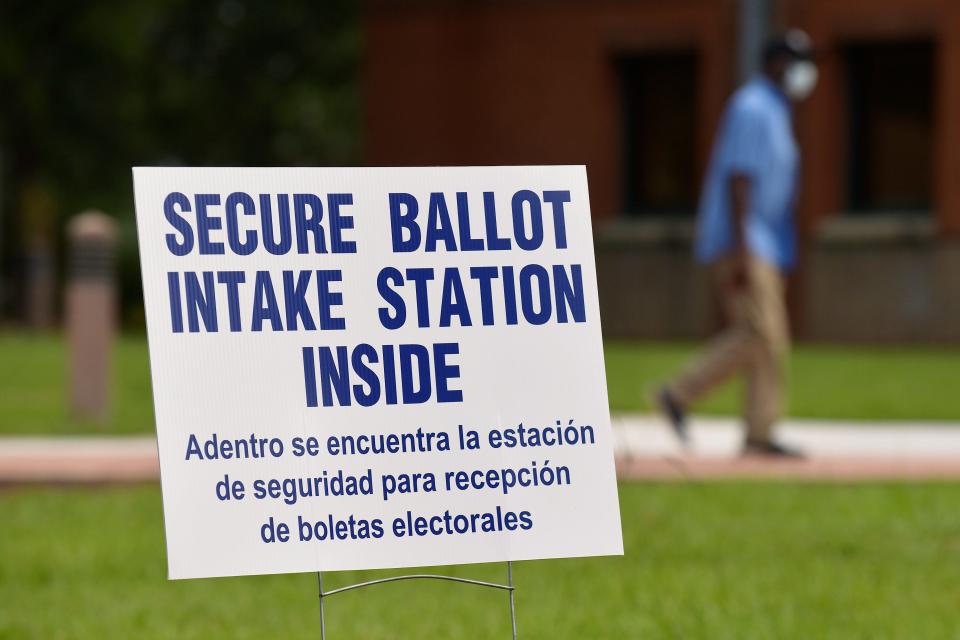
740, 280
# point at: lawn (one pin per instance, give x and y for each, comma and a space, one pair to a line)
33, 387
830, 382
838, 382
711, 561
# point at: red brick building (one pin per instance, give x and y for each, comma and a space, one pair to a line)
633, 90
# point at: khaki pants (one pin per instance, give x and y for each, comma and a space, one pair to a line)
755, 342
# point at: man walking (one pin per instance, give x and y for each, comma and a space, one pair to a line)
745, 232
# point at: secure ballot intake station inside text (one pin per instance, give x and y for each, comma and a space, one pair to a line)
311, 300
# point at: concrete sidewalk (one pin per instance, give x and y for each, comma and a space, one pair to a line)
645, 448
835, 450
78, 460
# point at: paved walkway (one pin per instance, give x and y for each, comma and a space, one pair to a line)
645, 448
78, 460
835, 450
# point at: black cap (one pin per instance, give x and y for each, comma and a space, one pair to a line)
794, 44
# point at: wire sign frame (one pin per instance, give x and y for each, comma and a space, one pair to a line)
508, 587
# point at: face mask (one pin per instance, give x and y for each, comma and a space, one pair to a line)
799, 79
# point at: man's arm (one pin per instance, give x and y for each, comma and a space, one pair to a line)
740, 186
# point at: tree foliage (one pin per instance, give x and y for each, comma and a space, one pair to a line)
89, 89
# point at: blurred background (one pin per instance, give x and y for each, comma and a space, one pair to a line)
93, 89
864, 543
632, 89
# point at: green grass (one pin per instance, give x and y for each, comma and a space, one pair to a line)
826, 382
33, 387
711, 561
838, 382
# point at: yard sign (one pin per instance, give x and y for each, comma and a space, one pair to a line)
375, 367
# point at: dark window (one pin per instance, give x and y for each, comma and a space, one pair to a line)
891, 91
659, 126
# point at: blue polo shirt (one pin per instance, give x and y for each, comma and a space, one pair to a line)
755, 138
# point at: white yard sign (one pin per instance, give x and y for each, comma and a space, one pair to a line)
371, 368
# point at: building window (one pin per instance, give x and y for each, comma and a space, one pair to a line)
658, 93
891, 97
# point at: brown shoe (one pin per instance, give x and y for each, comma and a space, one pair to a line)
771, 449
673, 412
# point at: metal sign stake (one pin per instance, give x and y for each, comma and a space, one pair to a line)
508, 587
